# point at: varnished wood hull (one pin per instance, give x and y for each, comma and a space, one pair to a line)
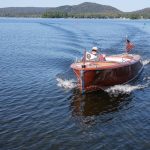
106, 74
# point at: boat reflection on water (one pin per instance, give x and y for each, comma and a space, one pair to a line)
98, 104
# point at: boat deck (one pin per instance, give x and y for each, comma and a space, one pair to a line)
113, 61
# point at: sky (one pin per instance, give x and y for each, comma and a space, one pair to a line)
123, 5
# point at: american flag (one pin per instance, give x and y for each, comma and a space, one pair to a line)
129, 46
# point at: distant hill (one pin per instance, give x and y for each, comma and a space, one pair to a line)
84, 10
143, 11
86, 7
22, 11
81, 8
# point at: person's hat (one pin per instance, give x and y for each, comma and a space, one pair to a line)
94, 49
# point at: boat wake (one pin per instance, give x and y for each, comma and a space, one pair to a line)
117, 89
125, 89
147, 78
146, 62
67, 84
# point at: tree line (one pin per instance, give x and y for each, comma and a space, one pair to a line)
61, 14
58, 14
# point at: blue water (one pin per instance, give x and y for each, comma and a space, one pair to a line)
40, 107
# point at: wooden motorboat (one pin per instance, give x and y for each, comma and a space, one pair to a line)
116, 69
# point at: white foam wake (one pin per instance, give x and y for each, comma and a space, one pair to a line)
145, 62
67, 84
122, 89
146, 79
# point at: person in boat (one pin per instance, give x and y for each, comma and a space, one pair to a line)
99, 57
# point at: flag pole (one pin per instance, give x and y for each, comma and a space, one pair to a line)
84, 59
126, 44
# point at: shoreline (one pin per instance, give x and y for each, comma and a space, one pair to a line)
69, 18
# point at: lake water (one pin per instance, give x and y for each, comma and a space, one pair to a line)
40, 107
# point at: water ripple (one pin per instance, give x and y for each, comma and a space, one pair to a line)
40, 106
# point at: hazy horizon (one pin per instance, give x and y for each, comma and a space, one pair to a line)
125, 6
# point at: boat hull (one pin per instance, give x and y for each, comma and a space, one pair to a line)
90, 79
